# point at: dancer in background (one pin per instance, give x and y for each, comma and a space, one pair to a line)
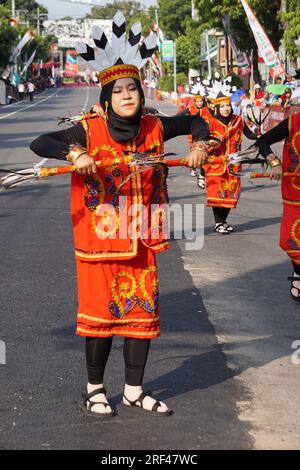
196, 109
222, 187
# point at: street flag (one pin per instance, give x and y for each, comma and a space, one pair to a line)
158, 31
264, 45
29, 62
241, 58
25, 39
155, 64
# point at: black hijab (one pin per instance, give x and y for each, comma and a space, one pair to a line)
222, 119
121, 129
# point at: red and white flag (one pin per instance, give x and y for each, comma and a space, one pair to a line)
264, 45
25, 39
29, 62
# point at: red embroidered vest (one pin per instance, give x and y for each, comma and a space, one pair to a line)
107, 221
193, 110
231, 136
291, 162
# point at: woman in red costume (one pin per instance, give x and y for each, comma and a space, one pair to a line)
198, 108
116, 265
223, 188
289, 129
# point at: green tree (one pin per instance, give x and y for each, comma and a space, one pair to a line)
30, 9
188, 46
129, 8
172, 15
133, 11
42, 45
210, 14
290, 17
8, 36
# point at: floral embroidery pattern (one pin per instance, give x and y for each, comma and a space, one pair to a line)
125, 288
294, 159
294, 242
95, 194
159, 181
229, 189
105, 221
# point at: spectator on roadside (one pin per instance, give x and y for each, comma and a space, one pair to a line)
267, 100
31, 90
21, 91
236, 108
285, 99
245, 102
290, 82
259, 95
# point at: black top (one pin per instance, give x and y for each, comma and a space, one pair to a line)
56, 144
278, 133
186, 112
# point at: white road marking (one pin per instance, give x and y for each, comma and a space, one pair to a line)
86, 101
161, 112
29, 106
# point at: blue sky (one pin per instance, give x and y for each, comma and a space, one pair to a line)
58, 9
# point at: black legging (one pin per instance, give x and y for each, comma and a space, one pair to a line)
135, 356
296, 268
220, 214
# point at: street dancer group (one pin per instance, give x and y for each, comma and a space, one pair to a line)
117, 277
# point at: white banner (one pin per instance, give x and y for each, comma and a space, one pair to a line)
264, 45
25, 39
29, 62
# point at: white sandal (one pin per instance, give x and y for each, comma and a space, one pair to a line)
228, 227
220, 228
201, 182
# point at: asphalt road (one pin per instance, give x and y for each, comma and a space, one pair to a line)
223, 362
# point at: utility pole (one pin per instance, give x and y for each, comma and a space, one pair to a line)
38, 21
159, 55
156, 17
194, 13
283, 9
38, 17
13, 14
208, 54
226, 54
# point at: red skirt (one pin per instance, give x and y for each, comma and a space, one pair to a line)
223, 191
119, 298
290, 231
